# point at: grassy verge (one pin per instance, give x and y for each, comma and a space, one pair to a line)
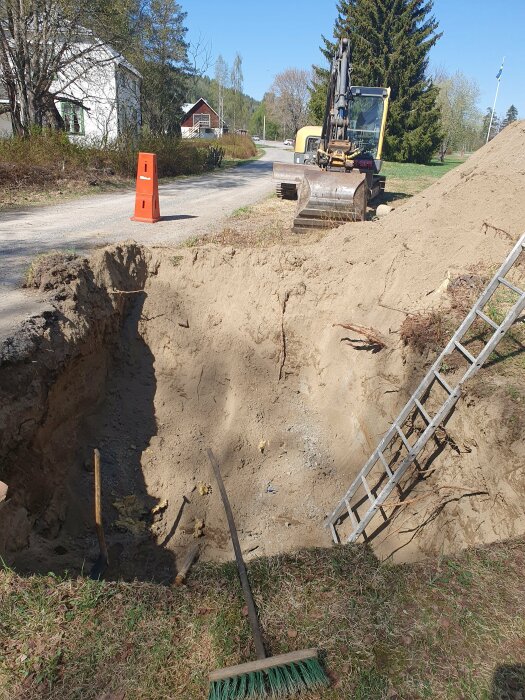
450, 629
47, 167
407, 179
260, 225
233, 162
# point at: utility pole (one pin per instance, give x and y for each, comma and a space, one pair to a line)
498, 78
264, 127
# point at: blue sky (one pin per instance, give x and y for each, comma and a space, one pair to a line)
278, 34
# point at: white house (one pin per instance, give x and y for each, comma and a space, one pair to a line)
98, 97
5, 119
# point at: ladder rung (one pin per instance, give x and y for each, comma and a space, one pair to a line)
423, 412
463, 350
443, 383
367, 489
385, 464
403, 437
487, 319
351, 514
511, 286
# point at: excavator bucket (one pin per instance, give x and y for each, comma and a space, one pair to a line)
288, 178
328, 199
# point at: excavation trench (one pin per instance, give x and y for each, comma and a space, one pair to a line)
153, 356
130, 366
132, 363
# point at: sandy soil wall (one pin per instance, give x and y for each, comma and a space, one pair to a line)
245, 351
53, 372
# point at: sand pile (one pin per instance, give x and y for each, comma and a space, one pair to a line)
245, 353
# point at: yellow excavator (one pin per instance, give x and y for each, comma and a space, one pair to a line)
336, 167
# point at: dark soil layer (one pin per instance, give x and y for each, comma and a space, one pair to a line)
66, 381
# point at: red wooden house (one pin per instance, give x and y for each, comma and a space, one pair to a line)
201, 121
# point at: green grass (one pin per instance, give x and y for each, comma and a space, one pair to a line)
241, 212
435, 630
190, 242
407, 179
233, 162
411, 171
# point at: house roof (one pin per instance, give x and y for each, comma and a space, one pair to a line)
189, 107
122, 62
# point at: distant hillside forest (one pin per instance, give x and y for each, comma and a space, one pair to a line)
238, 107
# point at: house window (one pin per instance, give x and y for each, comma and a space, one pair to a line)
202, 119
73, 116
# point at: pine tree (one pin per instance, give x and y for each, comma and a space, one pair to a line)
390, 42
161, 55
511, 116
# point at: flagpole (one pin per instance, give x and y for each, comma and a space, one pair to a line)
495, 100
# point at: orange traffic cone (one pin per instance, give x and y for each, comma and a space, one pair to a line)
147, 198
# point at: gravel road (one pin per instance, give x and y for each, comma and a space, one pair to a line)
189, 206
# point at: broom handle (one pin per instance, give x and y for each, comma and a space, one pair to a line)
241, 568
98, 507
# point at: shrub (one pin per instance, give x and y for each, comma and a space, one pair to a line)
47, 158
237, 146
424, 332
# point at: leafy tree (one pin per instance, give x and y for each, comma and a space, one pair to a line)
257, 123
290, 98
494, 129
236, 80
511, 116
460, 118
391, 40
43, 39
318, 92
221, 79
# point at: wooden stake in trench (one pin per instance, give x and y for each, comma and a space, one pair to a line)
103, 560
187, 562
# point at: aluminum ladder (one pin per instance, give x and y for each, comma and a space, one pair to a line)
361, 490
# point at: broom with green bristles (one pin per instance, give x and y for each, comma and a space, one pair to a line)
275, 676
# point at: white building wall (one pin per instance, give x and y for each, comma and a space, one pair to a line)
128, 100
5, 125
93, 85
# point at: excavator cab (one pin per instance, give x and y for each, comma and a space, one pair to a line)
367, 113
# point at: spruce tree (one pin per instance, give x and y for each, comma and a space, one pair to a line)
511, 116
390, 42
